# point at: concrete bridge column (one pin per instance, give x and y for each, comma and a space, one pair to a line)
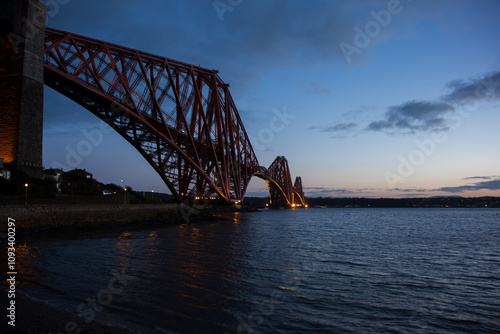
22, 36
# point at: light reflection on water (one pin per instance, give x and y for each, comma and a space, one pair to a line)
296, 271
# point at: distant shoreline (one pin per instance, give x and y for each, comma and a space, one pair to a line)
363, 202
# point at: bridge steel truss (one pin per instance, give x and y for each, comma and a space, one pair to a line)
279, 181
180, 117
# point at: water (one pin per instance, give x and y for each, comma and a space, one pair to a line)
292, 271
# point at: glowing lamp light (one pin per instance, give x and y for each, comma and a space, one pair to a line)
26, 195
8, 159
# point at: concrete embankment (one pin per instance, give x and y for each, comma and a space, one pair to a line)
42, 217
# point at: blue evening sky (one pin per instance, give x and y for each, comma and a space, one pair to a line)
383, 98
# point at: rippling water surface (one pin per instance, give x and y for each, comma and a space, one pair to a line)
285, 271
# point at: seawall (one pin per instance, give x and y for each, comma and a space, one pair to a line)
41, 217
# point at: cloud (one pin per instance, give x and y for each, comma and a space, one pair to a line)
347, 129
410, 190
492, 184
489, 183
355, 114
485, 87
253, 38
325, 192
414, 116
268, 149
339, 127
480, 177
340, 131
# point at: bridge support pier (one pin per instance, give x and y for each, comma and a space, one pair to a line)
22, 37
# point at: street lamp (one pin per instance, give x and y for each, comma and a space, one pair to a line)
124, 193
152, 193
26, 195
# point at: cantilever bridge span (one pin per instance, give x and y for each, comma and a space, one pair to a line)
180, 117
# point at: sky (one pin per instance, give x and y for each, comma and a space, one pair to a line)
377, 98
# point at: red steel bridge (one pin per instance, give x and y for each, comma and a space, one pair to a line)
180, 117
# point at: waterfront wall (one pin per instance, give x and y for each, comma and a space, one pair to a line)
42, 217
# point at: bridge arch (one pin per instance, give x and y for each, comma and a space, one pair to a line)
278, 178
180, 117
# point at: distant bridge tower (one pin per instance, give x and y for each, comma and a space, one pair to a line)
22, 37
